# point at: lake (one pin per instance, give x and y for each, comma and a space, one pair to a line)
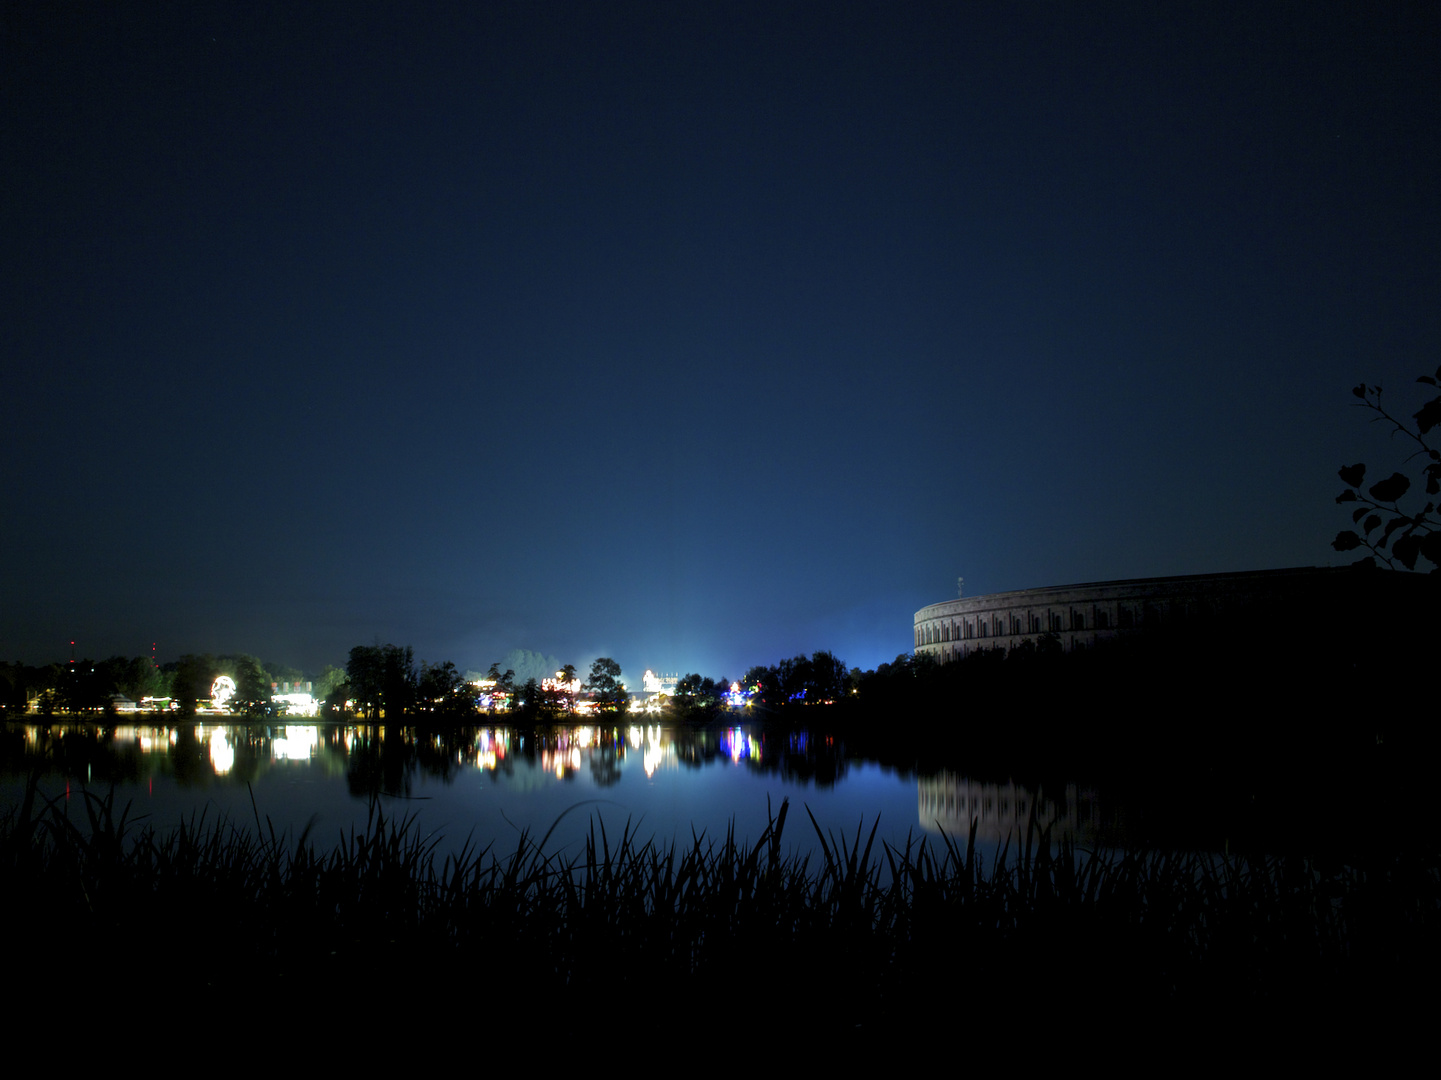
489, 785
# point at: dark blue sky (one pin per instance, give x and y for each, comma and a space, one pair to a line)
692, 334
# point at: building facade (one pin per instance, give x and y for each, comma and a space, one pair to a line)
1081, 615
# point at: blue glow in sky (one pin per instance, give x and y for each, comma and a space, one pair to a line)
692, 335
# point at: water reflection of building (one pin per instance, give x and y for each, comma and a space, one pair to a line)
1002, 810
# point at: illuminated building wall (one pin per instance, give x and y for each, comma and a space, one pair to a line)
651, 683
1080, 615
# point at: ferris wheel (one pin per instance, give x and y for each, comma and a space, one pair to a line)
222, 691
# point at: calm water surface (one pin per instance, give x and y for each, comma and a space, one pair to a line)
488, 785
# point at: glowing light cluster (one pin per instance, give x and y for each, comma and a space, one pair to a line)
222, 691
297, 704
737, 744
296, 743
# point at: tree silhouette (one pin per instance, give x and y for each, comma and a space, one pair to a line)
605, 686
383, 679
253, 696
442, 691
192, 680
1408, 535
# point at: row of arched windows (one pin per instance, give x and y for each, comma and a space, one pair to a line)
1140, 609
1013, 624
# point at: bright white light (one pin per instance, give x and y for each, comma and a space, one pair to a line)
297, 704
222, 691
654, 754
222, 754
296, 743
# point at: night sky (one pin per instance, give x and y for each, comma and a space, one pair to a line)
695, 335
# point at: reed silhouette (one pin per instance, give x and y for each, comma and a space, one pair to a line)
854, 935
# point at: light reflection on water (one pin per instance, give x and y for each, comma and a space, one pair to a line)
489, 785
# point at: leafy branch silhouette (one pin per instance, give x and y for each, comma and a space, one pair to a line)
1409, 536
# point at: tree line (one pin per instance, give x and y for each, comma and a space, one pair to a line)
386, 681
92, 686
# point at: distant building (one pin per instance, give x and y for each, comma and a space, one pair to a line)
1081, 615
651, 683
298, 703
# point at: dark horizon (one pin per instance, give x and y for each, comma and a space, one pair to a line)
692, 337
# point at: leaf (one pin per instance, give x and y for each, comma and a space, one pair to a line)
1392, 525
1348, 496
1369, 560
1371, 523
1431, 548
1345, 541
1353, 475
1361, 511
1427, 380
1428, 416
1406, 548
1390, 489
1359, 391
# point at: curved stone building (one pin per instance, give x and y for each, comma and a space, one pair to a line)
1080, 615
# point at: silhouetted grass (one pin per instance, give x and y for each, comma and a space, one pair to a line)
850, 935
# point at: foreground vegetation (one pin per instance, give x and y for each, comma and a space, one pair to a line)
856, 935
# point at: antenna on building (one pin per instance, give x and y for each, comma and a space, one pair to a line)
960, 587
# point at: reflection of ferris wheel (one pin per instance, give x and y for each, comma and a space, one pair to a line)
222, 691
